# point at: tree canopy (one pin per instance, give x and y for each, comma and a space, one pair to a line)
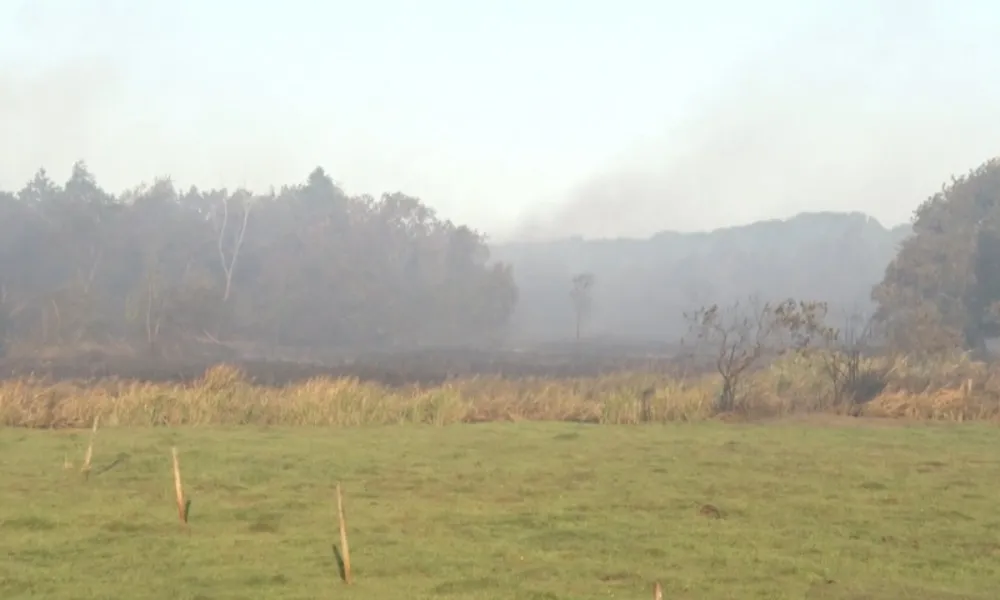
942, 291
307, 266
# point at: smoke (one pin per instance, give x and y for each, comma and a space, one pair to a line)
853, 113
870, 116
53, 116
59, 90
86, 82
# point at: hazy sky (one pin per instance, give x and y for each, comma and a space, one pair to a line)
521, 118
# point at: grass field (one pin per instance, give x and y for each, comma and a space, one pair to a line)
525, 510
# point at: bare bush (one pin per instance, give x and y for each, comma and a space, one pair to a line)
855, 379
740, 335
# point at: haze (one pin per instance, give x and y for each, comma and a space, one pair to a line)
523, 119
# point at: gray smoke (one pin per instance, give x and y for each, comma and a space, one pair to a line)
53, 116
871, 116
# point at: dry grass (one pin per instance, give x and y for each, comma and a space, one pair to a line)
955, 390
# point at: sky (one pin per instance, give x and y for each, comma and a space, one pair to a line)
522, 119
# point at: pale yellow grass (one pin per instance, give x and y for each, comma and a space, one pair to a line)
956, 390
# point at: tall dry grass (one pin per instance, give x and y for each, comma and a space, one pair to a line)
957, 390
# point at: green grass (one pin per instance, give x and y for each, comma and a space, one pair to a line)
527, 510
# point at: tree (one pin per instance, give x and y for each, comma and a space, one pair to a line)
308, 267
581, 294
941, 292
739, 336
237, 234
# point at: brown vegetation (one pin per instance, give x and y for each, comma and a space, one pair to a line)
956, 390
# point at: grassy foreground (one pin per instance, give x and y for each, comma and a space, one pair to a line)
527, 510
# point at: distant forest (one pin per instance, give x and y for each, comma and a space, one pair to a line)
308, 268
642, 288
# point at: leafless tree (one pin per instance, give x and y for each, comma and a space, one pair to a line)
582, 296
229, 263
744, 333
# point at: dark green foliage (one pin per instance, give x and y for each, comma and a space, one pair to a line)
941, 291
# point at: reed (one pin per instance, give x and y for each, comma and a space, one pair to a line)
955, 390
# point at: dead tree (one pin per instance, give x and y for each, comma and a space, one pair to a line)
229, 263
581, 294
741, 335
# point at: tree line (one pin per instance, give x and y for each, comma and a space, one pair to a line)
940, 295
171, 271
175, 271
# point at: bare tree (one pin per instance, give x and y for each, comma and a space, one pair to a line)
229, 264
740, 335
581, 294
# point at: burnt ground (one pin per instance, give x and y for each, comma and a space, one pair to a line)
425, 367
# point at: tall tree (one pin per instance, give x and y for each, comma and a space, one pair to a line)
942, 290
306, 266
